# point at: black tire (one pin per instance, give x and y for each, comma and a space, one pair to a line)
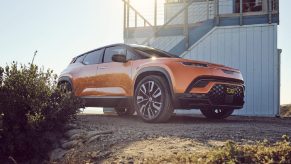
65, 87
124, 111
152, 99
214, 113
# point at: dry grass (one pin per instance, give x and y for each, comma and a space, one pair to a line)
286, 110
262, 152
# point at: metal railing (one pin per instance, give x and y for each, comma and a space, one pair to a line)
159, 12
174, 14
164, 13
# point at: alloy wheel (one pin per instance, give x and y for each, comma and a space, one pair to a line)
149, 99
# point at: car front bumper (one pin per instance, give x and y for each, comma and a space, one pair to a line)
221, 95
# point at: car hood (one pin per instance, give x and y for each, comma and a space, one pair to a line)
210, 65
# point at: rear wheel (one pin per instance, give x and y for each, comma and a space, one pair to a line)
216, 113
152, 99
65, 87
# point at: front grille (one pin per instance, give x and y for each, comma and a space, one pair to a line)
223, 94
202, 81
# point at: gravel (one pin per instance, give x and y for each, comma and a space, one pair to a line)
131, 138
196, 127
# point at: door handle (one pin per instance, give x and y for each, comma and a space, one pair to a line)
104, 67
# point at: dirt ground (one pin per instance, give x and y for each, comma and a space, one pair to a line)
132, 140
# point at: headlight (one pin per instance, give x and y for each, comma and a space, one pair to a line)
229, 71
194, 64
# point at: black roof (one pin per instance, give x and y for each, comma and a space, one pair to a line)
111, 45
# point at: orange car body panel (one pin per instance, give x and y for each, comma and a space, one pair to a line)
192, 83
181, 75
99, 80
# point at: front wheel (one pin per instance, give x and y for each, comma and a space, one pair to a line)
152, 99
214, 113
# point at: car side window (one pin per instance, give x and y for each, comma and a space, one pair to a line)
93, 57
110, 51
80, 59
134, 56
130, 55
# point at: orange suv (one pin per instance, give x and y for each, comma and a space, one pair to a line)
152, 82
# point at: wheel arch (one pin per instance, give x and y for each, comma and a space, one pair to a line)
65, 79
159, 71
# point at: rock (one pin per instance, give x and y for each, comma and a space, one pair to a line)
91, 134
121, 161
171, 147
94, 154
80, 144
131, 161
71, 126
94, 133
93, 139
129, 158
76, 136
62, 141
57, 154
70, 144
72, 132
106, 154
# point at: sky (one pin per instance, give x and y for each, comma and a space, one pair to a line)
60, 30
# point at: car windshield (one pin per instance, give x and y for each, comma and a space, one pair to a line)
148, 52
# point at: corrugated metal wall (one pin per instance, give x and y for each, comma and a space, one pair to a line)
252, 49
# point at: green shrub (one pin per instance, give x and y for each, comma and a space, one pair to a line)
33, 110
261, 152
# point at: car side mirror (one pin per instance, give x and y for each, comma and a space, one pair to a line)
119, 58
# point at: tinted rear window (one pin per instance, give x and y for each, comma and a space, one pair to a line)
93, 57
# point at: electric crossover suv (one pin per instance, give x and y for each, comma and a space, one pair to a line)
151, 82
